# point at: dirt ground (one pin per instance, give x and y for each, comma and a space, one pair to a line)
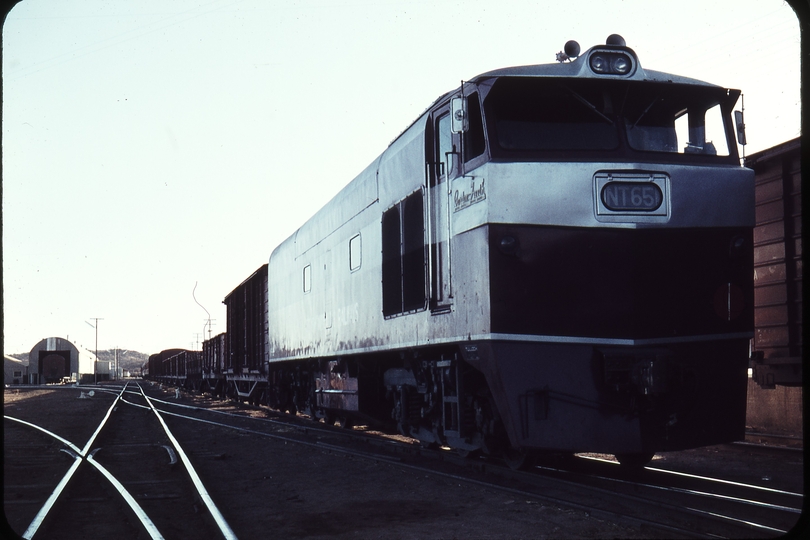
270, 489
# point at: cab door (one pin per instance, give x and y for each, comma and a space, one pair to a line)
441, 167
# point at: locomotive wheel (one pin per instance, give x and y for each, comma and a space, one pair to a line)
518, 460
635, 461
468, 454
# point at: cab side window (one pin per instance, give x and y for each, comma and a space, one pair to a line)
474, 142
404, 270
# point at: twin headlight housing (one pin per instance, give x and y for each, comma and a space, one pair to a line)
604, 62
615, 59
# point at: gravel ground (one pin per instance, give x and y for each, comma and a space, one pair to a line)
269, 489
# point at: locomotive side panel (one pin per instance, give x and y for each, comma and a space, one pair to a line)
324, 304
321, 278
471, 292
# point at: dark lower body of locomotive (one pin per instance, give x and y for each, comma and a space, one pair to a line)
634, 340
516, 398
630, 401
621, 341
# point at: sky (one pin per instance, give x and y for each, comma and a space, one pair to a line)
155, 153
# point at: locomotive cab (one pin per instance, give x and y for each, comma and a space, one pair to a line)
591, 221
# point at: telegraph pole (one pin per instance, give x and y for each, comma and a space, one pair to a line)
95, 362
209, 323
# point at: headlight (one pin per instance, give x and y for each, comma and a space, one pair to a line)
599, 63
611, 63
621, 65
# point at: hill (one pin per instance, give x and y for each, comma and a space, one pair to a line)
127, 360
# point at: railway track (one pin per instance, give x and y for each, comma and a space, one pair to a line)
662, 500
134, 450
711, 506
126, 480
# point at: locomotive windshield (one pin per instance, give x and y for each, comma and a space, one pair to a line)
527, 117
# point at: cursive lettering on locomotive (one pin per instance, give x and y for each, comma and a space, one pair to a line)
462, 198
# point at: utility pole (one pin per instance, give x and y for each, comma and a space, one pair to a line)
209, 322
95, 362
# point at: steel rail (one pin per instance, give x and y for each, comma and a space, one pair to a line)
54, 435
397, 462
101, 425
706, 478
206, 498
144, 519
305, 429
78, 456
712, 515
713, 496
661, 504
43, 512
729, 482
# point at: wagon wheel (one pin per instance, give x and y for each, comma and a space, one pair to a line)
345, 422
329, 418
635, 461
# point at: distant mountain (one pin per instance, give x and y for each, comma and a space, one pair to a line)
128, 360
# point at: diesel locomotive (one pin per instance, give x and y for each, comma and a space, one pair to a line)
552, 257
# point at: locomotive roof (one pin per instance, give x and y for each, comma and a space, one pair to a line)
579, 68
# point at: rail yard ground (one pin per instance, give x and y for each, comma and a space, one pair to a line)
269, 488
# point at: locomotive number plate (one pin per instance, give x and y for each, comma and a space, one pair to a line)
632, 194
644, 197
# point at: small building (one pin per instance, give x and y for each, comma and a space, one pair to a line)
103, 370
14, 371
56, 360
